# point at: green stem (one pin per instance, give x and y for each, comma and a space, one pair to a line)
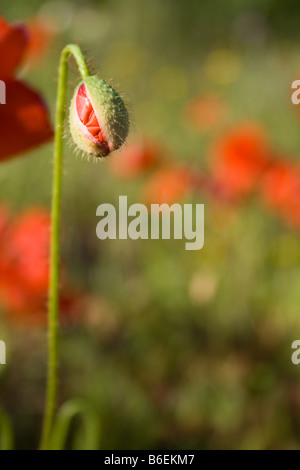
6, 432
55, 235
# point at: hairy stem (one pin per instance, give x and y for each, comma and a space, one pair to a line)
55, 235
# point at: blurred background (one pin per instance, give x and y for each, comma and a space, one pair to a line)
173, 349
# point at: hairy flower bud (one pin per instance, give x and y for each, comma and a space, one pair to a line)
99, 121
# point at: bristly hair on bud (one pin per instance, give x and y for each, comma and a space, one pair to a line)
99, 120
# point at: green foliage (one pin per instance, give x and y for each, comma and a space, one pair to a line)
175, 349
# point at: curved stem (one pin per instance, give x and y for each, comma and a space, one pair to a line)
64, 420
74, 50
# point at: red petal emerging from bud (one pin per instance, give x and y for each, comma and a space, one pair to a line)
99, 121
87, 116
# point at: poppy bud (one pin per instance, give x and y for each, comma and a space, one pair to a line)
99, 121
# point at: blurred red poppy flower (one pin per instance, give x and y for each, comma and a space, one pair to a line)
239, 158
168, 185
24, 267
24, 120
3, 220
41, 35
205, 113
136, 158
281, 191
